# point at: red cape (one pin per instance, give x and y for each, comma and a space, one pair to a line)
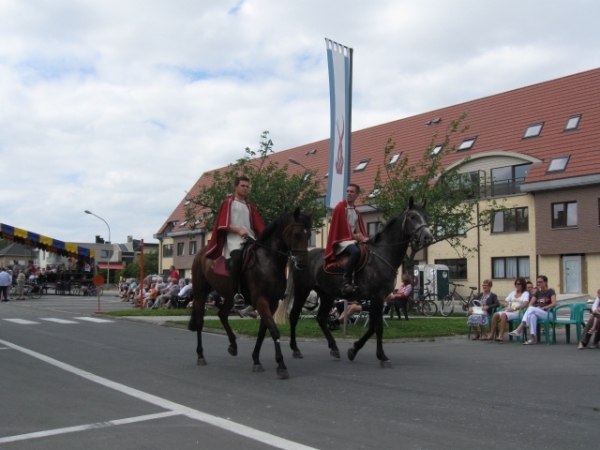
340, 231
219, 233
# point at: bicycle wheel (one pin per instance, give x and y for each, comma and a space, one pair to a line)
447, 306
36, 292
429, 306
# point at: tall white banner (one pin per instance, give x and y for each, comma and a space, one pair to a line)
339, 59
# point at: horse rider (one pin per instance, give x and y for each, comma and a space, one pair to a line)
346, 230
238, 220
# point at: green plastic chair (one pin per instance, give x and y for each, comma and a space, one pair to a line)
575, 318
548, 323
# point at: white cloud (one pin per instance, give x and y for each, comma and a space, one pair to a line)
118, 107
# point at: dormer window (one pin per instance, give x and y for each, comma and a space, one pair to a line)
467, 143
558, 164
533, 130
395, 158
572, 123
436, 149
361, 165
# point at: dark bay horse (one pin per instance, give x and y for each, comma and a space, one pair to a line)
387, 251
263, 282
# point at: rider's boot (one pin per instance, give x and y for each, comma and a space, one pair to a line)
234, 267
347, 287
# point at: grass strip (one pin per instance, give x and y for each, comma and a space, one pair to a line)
398, 329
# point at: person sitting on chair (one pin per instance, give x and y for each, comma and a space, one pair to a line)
238, 220
353, 307
591, 327
399, 297
540, 304
488, 301
347, 228
516, 300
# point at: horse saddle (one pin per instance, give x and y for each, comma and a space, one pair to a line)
220, 264
338, 266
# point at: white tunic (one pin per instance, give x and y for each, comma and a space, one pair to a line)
240, 217
352, 218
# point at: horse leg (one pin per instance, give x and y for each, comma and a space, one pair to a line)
282, 371
377, 322
262, 330
294, 317
199, 325
224, 316
324, 308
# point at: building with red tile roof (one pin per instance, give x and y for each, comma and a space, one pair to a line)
534, 147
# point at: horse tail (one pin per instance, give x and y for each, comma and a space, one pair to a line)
193, 324
281, 315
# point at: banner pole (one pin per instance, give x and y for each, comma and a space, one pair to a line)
141, 274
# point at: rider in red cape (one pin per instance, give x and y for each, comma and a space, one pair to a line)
222, 224
347, 228
238, 220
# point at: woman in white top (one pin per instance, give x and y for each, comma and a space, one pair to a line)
591, 327
516, 300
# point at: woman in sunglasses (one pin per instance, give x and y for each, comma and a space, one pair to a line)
516, 300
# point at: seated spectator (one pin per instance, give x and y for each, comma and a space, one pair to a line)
214, 299
130, 292
591, 327
140, 295
516, 300
181, 296
488, 301
353, 307
171, 290
151, 296
399, 298
544, 299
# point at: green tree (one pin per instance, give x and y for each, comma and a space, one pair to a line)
274, 190
132, 270
451, 197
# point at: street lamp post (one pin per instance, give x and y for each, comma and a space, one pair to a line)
310, 171
110, 241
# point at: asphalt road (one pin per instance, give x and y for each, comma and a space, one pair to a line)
124, 385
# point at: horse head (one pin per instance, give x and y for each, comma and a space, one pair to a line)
415, 224
296, 236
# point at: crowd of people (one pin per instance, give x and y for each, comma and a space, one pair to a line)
155, 293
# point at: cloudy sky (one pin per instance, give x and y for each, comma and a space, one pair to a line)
119, 106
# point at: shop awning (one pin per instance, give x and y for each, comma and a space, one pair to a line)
35, 240
112, 266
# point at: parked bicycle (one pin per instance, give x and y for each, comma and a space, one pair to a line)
447, 303
29, 290
425, 302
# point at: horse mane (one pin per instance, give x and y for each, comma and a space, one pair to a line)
388, 225
281, 221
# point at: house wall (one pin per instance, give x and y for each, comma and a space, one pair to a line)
585, 238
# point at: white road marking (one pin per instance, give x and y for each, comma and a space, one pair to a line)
22, 321
94, 319
242, 430
89, 426
52, 319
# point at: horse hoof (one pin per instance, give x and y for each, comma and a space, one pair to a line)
282, 374
335, 353
256, 368
297, 354
232, 351
351, 354
201, 362
386, 364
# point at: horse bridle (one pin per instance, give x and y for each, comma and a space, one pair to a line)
292, 253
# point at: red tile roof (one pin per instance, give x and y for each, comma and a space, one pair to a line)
499, 122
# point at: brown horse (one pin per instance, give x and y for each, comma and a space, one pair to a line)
263, 282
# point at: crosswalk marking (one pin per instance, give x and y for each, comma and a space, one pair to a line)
52, 319
94, 319
22, 321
